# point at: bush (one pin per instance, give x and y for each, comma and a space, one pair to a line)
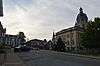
2, 51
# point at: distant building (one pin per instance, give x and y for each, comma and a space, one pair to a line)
71, 36
11, 40
36, 43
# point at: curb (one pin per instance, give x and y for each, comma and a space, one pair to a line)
79, 55
86, 56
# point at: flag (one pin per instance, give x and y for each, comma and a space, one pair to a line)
1, 8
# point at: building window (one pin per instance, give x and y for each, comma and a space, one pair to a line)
68, 48
71, 35
67, 35
72, 48
72, 42
63, 38
67, 42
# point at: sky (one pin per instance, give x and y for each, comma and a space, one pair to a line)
39, 18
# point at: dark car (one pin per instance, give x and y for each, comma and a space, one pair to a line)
17, 49
25, 48
21, 48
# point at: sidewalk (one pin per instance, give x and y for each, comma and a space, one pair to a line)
13, 60
73, 54
2, 59
86, 56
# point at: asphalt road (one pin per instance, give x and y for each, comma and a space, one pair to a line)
50, 58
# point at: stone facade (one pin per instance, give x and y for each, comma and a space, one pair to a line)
71, 36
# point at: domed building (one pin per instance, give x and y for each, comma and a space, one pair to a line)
71, 36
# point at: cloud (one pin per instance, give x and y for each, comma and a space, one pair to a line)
39, 18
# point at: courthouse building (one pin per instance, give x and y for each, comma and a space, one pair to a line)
71, 36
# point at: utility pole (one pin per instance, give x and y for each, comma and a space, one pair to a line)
1, 8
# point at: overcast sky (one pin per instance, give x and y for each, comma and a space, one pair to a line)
39, 18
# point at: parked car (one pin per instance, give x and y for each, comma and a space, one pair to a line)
25, 48
21, 48
17, 49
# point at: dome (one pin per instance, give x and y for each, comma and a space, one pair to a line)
81, 18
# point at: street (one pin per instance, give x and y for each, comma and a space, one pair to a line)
51, 58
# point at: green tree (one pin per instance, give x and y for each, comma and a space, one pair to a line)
90, 38
22, 37
60, 45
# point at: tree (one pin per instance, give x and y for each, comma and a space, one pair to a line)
60, 45
90, 38
45, 40
21, 34
22, 37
